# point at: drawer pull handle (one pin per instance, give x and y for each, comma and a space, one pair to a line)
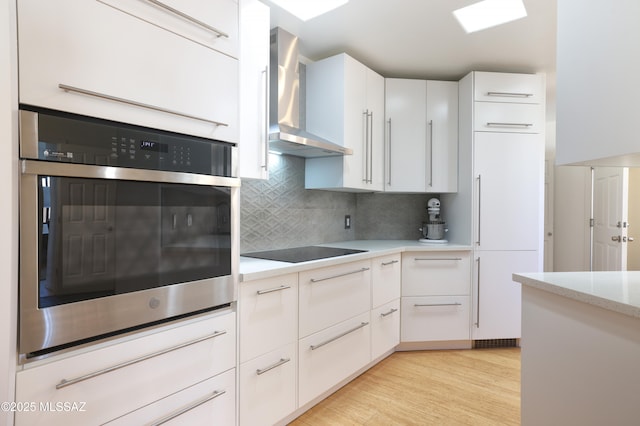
384, 314
523, 125
68, 88
421, 305
190, 18
260, 371
389, 263
189, 407
271, 290
64, 382
510, 94
316, 280
333, 339
438, 258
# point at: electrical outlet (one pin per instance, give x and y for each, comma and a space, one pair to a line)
347, 222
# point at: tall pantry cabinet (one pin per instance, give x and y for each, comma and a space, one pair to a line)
501, 132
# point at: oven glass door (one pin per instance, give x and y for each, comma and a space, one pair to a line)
103, 237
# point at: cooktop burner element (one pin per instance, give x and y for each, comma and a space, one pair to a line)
301, 254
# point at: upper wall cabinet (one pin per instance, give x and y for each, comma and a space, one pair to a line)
421, 135
254, 90
170, 65
345, 105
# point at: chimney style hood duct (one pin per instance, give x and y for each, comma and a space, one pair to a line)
285, 134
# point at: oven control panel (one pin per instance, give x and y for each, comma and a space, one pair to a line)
67, 138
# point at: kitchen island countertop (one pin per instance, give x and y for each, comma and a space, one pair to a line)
253, 269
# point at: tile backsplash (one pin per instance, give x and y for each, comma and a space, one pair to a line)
281, 213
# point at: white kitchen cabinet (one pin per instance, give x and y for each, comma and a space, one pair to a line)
421, 119
502, 184
333, 294
268, 387
385, 328
119, 378
268, 337
331, 355
436, 288
139, 65
496, 297
206, 403
436, 273
385, 304
508, 184
268, 315
385, 279
435, 318
345, 105
507, 87
254, 90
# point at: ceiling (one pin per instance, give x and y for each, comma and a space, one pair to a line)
422, 39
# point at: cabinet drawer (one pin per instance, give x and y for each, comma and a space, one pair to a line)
123, 377
268, 315
512, 118
385, 279
213, 24
207, 403
120, 68
333, 294
507, 87
332, 355
435, 318
268, 387
385, 328
436, 273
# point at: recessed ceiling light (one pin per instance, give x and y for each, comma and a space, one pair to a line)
489, 13
307, 9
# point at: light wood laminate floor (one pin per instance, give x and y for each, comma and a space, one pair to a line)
457, 387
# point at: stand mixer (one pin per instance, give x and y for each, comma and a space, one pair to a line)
433, 230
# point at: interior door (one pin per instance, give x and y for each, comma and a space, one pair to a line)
610, 218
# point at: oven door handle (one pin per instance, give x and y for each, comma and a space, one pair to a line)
121, 173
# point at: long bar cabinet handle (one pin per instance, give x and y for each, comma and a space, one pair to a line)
188, 408
282, 361
371, 147
333, 339
479, 178
68, 88
385, 314
189, 18
510, 94
523, 125
271, 290
477, 324
389, 154
365, 158
422, 305
391, 262
64, 383
316, 280
437, 258
430, 152
265, 164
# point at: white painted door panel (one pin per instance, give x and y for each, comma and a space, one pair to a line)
610, 214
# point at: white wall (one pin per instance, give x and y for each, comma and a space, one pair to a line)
9, 203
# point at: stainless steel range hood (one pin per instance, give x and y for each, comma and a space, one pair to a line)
285, 133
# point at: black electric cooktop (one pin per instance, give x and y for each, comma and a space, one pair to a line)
301, 254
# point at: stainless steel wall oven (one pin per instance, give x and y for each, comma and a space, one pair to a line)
120, 227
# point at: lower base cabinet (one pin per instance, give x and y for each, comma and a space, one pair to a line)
159, 369
435, 318
385, 328
268, 385
329, 356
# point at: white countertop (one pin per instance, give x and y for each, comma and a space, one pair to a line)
253, 269
615, 291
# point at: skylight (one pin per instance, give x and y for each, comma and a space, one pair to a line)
489, 13
308, 9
